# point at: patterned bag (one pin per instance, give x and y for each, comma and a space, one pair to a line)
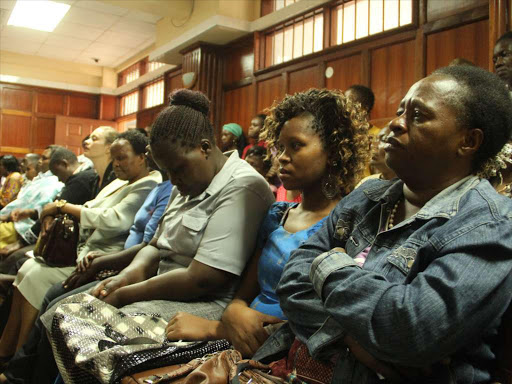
94, 342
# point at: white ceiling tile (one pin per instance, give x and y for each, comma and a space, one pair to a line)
67, 42
77, 30
106, 49
121, 39
10, 31
99, 6
19, 46
104, 60
58, 53
90, 18
142, 16
7, 4
134, 27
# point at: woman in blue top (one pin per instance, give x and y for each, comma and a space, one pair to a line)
321, 140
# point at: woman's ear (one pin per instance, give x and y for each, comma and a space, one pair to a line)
471, 142
206, 147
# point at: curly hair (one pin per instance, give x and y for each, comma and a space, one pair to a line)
341, 124
137, 140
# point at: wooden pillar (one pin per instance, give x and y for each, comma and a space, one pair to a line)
206, 62
498, 23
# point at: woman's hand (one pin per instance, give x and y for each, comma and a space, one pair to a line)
243, 327
109, 286
184, 326
21, 214
86, 262
49, 209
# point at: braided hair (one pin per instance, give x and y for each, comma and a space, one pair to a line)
185, 121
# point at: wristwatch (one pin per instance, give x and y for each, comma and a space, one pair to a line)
60, 204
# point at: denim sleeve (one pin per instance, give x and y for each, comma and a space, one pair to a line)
308, 319
443, 309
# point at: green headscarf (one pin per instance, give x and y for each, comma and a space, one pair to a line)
234, 128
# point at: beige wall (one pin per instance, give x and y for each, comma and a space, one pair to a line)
35, 67
247, 10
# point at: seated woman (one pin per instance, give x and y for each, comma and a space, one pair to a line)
310, 131
209, 228
232, 139
267, 166
104, 225
10, 169
416, 271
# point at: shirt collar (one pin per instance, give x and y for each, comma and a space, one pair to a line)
444, 204
220, 180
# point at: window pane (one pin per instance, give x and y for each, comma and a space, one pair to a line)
376, 9
130, 103
349, 15
288, 2
339, 25
405, 12
288, 43
297, 40
278, 47
319, 32
279, 4
308, 36
362, 18
154, 94
390, 14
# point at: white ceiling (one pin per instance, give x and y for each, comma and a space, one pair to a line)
90, 29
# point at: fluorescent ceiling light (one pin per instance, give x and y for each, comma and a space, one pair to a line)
39, 14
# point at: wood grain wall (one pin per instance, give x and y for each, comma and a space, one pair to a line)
27, 115
389, 63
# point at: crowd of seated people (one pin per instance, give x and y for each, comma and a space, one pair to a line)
283, 247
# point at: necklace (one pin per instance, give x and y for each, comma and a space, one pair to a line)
391, 220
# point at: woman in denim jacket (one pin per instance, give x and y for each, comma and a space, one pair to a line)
416, 272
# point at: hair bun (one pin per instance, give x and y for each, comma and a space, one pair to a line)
193, 99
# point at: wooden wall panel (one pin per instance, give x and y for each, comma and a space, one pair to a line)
237, 106
108, 105
44, 132
239, 64
303, 79
392, 74
83, 106
268, 91
347, 72
469, 41
16, 99
146, 117
16, 130
50, 103
174, 82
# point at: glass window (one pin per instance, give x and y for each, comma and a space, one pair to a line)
130, 103
154, 94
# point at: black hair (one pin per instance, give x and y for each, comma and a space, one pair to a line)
483, 102
62, 153
262, 117
143, 131
259, 151
185, 121
505, 36
137, 140
365, 96
339, 121
10, 163
52, 148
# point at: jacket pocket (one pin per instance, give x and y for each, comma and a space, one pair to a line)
403, 258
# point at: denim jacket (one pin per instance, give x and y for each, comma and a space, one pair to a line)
434, 286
